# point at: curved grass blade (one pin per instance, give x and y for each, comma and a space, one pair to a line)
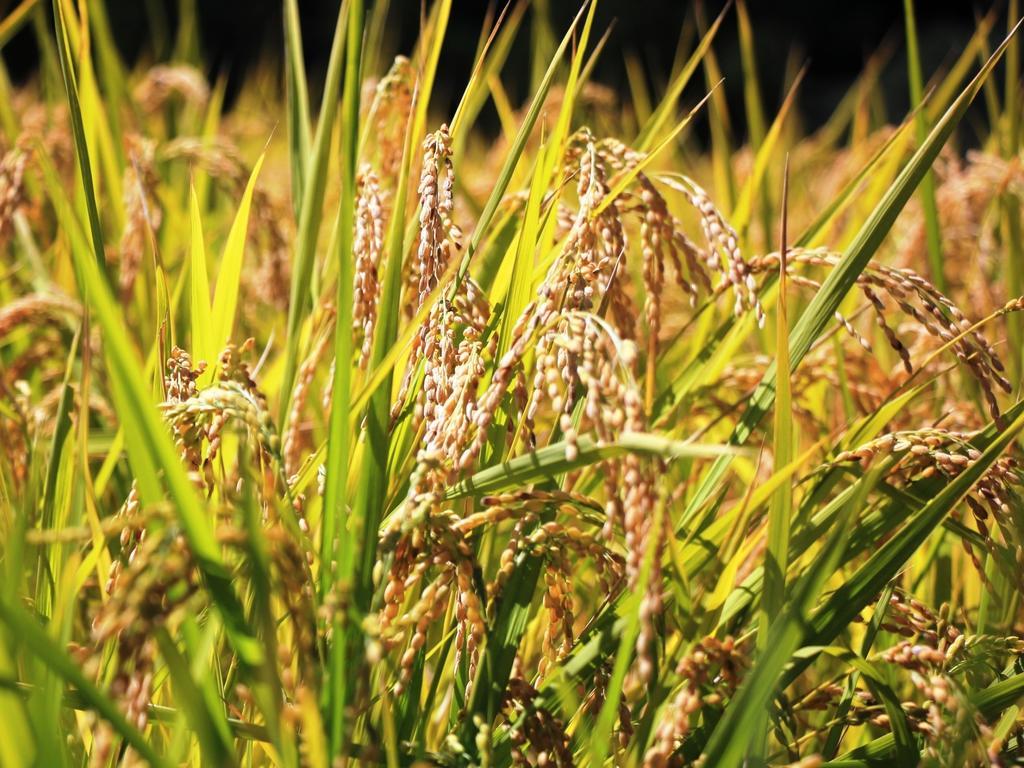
744, 204
229, 279
490, 61
649, 133
67, 68
202, 333
550, 461
15, 20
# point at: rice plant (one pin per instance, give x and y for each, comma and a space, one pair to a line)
339, 433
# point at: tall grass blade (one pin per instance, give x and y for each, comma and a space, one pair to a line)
311, 212
202, 331
931, 208
663, 113
299, 130
336, 545
225, 294
67, 69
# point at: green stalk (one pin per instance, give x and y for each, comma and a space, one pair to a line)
358, 551
754, 107
782, 500
315, 183
928, 201
335, 545
1010, 202
297, 96
78, 132
773, 597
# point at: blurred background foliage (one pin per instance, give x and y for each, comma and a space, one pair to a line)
836, 39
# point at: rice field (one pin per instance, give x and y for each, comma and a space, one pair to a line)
335, 430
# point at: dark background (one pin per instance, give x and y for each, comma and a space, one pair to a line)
835, 38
